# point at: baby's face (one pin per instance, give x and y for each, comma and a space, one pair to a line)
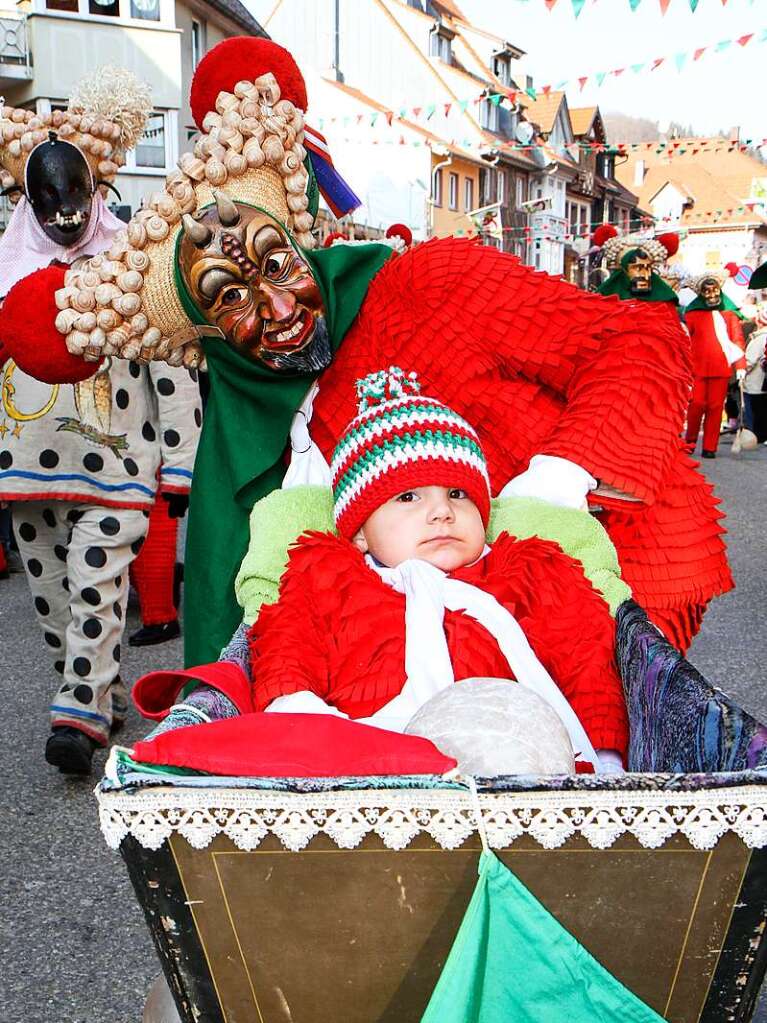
441, 525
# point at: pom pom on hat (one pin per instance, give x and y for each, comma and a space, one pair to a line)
400, 440
670, 242
334, 236
29, 334
243, 59
400, 231
732, 269
603, 233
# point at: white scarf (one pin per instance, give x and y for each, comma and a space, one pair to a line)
308, 465
428, 592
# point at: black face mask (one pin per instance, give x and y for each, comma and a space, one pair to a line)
60, 190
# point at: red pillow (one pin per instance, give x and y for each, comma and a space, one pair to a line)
293, 746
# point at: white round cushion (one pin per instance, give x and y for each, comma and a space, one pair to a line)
495, 726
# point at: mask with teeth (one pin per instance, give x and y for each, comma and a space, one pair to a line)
59, 186
246, 277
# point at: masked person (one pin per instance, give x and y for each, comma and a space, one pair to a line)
79, 462
636, 262
228, 278
717, 343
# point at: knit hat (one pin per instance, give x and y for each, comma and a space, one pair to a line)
399, 440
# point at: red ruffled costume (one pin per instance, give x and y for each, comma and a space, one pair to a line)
539, 367
338, 631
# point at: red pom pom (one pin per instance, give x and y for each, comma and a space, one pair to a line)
29, 333
334, 236
731, 268
670, 242
243, 59
602, 233
400, 231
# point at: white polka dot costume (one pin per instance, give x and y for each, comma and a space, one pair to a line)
81, 465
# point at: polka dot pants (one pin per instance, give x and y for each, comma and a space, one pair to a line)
76, 557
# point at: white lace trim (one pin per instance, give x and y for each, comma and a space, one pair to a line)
247, 816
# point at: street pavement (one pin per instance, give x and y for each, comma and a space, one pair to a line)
74, 945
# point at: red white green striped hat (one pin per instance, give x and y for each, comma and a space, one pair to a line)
399, 440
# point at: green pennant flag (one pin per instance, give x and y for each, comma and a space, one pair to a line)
693, 5
578, 6
634, 4
636, 68
495, 99
679, 60
600, 76
531, 93
722, 46
373, 119
430, 110
462, 105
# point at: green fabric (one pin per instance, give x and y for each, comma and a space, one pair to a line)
278, 519
239, 457
513, 962
618, 284
698, 305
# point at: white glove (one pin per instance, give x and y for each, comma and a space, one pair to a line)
556, 480
740, 375
610, 761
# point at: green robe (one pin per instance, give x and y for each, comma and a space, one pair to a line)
698, 305
240, 453
618, 284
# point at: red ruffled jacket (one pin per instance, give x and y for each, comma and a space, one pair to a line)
338, 631
539, 367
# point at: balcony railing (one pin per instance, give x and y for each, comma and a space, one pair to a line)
14, 44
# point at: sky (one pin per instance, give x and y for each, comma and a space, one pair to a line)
719, 91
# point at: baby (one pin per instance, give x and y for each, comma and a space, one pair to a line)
409, 598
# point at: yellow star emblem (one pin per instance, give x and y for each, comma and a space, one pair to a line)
16, 431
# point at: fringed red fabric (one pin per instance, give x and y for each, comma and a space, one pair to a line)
338, 630
152, 571
539, 367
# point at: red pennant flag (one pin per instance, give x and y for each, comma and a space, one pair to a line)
657, 63
618, 71
417, 111
447, 108
583, 81
389, 114
359, 118
664, 6
699, 53
744, 39
550, 4
546, 90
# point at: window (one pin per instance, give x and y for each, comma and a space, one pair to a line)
488, 115
577, 216
452, 191
500, 195
156, 150
63, 5
436, 188
468, 194
439, 45
520, 190
145, 10
106, 8
199, 33
502, 69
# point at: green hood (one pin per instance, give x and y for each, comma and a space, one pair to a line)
618, 284
239, 458
698, 305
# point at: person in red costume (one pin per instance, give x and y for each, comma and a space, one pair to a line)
373, 623
718, 346
577, 398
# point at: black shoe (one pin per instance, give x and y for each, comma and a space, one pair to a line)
708, 454
147, 635
70, 750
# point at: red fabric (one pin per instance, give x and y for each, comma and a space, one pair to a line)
338, 630
603, 233
3, 561
293, 746
154, 694
707, 399
152, 571
708, 359
243, 58
670, 243
540, 367
29, 335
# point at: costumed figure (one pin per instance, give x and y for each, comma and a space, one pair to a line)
636, 262
576, 398
79, 461
717, 343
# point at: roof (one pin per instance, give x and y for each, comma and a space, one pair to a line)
448, 7
238, 13
582, 119
543, 110
712, 175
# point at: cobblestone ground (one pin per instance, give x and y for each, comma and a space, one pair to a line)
74, 945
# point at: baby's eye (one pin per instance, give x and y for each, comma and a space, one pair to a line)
407, 497
456, 494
